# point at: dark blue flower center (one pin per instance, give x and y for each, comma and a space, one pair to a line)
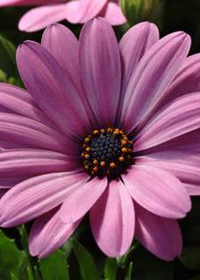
107, 152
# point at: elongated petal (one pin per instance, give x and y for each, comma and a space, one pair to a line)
32, 134
154, 73
52, 89
64, 46
162, 237
158, 191
112, 220
40, 17
32, 162
26, 2
18, 101
186, 81
184, 165
36, 196
176, 119
133, 45
113, 14
48, 233
98, 48
79, 202
7, 183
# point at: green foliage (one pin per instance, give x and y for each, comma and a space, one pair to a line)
86, 262
54, 267
110, 269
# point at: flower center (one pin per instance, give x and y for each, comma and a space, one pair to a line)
107, 152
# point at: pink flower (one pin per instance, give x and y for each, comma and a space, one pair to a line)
104, 128
75, 11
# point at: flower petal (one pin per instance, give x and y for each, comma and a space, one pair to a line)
18, 101
79, 202
176, 119
7, 183
52, 89
113, 14
158, 191
32, 134
186, 81
133, 45
40, 17
48, 233
32, 162
153, 74
162, 237
26, 2
98, 48
184, 165
112, 220
36, 196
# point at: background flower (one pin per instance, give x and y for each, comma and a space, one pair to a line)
75, 11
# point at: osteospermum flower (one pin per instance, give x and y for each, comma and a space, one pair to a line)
104, 128
75, 11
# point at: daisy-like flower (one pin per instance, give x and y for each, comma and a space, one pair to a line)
75, 11
104, 128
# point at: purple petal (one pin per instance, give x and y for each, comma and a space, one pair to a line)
40, 17
176, 119
112, 220
31, 162
98, 48
32, 134
48, 233
133, 45
113, 14
7, 183
162, 237
186, 81
52, 89
36, 196
153, 75
158, 191
79, 202
182, 164
18, 101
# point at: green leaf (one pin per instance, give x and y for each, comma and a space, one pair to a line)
14, 277
7, 57
10, 257
110, 269
86, 262
54, 267
129, 272
191, 257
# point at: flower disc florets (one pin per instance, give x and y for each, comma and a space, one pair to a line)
107, 152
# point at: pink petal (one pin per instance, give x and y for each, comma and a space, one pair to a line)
64, 46
176, 119
32, 134
52, 89
32, 162
84, 10
153, 75
113, 14
7, 183
158, 191
36, 196
162, 237
134, 44
186, 81
40, 17
79, 202
18, 101
98, 48
27, 2
112, 220
48, 233
184, 165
